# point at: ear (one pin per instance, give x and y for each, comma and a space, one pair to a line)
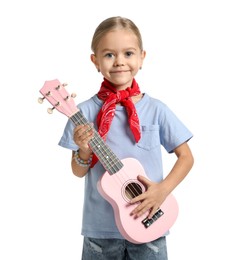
94, 60
143, 55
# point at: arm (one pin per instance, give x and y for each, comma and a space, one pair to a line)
157, 192
82, 136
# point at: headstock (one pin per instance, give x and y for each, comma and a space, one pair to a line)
58, 97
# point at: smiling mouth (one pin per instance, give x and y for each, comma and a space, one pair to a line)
119, 71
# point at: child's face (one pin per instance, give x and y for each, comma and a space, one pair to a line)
119, 57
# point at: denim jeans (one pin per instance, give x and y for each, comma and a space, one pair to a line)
119, 249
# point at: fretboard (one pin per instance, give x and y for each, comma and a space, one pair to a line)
108, 159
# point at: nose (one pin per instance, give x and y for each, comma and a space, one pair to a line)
119, 61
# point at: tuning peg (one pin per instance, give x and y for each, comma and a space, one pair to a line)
73, 95
62, 85
50, 110
40, 100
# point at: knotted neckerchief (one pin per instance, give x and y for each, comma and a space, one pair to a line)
111, 97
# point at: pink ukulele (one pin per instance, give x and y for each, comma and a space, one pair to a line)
119, 184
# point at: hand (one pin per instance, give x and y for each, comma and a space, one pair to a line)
151, 199
82, 135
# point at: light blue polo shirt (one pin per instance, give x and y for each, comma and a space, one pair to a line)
159, 128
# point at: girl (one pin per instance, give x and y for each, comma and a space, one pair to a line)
133, 125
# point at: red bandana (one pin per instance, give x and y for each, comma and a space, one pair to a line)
111, 97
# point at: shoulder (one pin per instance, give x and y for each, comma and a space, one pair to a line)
90, 107
93, 101
157, 111
151, 103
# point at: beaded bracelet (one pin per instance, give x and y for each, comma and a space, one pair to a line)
80, 161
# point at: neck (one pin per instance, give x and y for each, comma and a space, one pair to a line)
120, 87
137, 98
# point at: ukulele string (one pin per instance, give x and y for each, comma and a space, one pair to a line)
78, 119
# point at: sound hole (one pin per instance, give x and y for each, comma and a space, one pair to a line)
132, 190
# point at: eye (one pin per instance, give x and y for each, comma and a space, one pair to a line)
129, 53
109, 55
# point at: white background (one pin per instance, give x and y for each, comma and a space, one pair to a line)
198, 62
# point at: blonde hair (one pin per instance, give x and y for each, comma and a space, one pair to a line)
111, 24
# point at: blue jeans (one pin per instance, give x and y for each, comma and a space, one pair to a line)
119, 249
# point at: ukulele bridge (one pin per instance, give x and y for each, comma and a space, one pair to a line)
147, 222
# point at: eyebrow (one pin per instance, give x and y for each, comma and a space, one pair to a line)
130, 48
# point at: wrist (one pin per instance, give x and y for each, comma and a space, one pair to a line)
84, 161
85, 154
